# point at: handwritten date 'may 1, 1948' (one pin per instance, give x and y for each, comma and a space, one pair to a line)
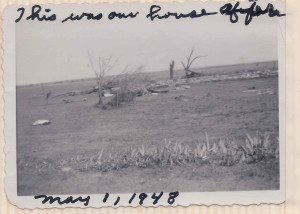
85, 200
155, 13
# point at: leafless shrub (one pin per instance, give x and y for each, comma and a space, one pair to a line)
103, 66
190, 59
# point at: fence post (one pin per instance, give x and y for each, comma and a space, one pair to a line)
172, 64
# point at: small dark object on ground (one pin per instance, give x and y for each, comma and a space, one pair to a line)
158, 89
181, 98
48, 95
191, 74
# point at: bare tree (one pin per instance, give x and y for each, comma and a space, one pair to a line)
190, 60
104, 65
172, 64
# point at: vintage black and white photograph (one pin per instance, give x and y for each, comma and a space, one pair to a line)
131, 105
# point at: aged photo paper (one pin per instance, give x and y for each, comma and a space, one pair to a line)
168, 104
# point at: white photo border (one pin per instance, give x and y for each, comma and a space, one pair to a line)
184, 199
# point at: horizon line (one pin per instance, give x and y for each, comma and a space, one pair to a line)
92, 78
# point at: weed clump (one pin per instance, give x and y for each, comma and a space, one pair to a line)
123, 95
126, 88
226, 153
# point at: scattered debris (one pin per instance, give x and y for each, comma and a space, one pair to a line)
66, 169
69, 94
251, 91
191, 74
93, 90
140, 92
266, 91
110, 85
141, 88
185, 86
180, 87
158, 89
260, 91
115, 89
108, 95
175, 89
41, 122
67, 101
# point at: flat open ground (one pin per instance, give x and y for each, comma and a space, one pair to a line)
220, 109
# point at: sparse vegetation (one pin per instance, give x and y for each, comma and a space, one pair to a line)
187, 66
104, 65
123, 94
127, 145
127, 86
222, 152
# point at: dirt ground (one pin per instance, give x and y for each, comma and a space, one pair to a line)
220, 109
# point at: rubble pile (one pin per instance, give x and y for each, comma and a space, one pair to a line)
164, 86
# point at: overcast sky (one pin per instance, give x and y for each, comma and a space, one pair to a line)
52, 51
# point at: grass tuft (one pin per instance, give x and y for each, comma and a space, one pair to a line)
226, 153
